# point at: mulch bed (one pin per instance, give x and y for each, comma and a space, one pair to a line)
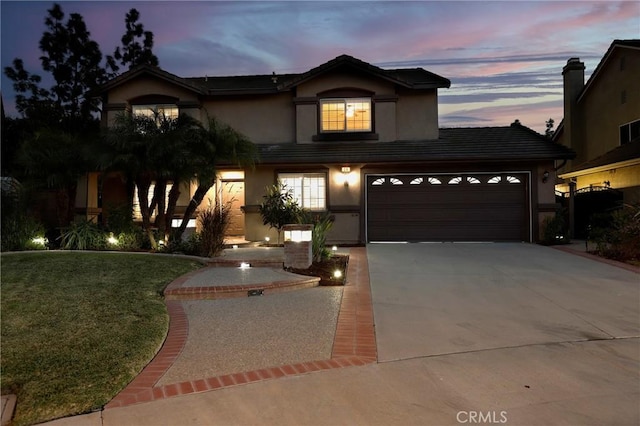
325, 270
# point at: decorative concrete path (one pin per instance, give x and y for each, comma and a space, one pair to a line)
354, 343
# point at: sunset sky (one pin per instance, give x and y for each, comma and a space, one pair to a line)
504, 58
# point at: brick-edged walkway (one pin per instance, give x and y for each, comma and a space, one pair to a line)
354, 344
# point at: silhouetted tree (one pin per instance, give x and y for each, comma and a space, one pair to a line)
137, 44
58, 122
549, 128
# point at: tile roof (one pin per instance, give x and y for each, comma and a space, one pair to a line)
414, 78
515, 142
628, 151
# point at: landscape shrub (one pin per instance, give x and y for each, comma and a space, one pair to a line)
617, 235
322, 223
279, 208
83, 234
214, 221
19, 230
554, 230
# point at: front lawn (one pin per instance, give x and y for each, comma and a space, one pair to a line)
77, 327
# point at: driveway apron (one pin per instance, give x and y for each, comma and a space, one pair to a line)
444, 298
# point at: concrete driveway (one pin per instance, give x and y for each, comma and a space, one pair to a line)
434, 299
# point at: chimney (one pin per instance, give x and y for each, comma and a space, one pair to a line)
573, 83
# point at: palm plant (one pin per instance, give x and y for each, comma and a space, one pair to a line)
218, 143
175, 151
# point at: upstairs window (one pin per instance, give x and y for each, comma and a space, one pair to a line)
629, 132
157, 113
345, 115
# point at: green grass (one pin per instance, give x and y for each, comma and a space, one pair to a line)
77, 327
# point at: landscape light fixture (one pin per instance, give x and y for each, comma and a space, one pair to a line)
41, 241
245, 265
337, 274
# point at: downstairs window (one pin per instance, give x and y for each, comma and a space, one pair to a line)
308, 189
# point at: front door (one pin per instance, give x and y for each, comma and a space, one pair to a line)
233, 196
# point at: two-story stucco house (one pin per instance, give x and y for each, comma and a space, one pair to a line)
602, 125
362, 143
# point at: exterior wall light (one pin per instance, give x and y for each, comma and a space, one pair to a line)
346, 177
545, 176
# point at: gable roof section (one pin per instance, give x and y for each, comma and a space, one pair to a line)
625, 44
157, 72
511, 143
414, 78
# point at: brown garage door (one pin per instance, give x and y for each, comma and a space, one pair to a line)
447, 207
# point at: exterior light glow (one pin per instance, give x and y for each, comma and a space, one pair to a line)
334, 248
297, 235
337, 273
346, 169
267, 239
114, 241
245, 265
235, 246
41, 241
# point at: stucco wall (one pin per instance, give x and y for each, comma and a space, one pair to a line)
602, 106
263, 119
417, 116
334, 80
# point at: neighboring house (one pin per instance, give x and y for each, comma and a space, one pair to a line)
362, 143
602, 125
